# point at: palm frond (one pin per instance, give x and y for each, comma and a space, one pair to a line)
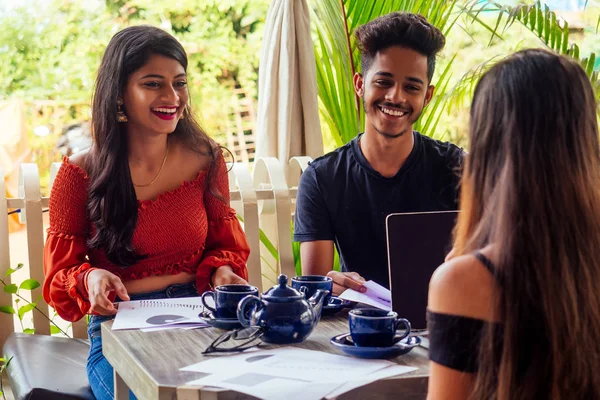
473, 9
338, 56
334, 71
552, 31
462, 91
438, 105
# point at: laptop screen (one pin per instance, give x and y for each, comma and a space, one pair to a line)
417, 244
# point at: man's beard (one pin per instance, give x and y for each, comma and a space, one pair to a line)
389, 135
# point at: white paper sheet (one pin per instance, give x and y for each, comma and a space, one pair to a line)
376, 296
293, 363
154, 313
372, 377
293, 374
175, 326
267, 387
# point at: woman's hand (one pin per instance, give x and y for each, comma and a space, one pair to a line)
225, 276
100, 283
346, 280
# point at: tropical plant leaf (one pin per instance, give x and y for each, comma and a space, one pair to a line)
29, 284
268, 278
25, 309
4, 363
462, 92
554, 33
336, 260
12, 288
434, 110
54, 330
269, 245
29, 331
7, 310
338, 56
268, 264
265, 241
10, 271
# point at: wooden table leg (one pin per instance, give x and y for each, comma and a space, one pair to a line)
121, 388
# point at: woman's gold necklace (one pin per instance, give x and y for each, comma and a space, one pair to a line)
159, 171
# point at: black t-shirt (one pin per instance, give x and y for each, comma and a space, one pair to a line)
342, 198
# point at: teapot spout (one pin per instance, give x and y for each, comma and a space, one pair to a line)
317, 300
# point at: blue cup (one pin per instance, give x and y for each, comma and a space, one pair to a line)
371, 327
226, 299
309, 284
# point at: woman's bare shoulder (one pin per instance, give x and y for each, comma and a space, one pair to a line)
462, 286
79, 159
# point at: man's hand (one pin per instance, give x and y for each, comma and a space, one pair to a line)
225, 276
100, 283
346, 280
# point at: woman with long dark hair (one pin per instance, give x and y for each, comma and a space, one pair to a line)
514, 313
145, 212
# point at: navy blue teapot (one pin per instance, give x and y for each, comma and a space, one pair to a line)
283, 313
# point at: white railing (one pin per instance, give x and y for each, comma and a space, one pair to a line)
264, 200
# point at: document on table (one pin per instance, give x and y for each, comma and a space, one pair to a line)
293, 363
292, 373
376, 296
267, 387
163, 313
384, 373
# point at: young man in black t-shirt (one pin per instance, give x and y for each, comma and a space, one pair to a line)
345, 196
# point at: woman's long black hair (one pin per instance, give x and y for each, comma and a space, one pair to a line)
112, 202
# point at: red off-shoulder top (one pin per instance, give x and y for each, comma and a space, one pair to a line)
186, 229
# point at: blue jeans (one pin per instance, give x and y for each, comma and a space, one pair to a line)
99, 371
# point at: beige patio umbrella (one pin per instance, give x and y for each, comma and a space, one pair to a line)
288, 115
287, 121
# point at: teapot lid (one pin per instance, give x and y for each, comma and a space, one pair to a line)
282, 292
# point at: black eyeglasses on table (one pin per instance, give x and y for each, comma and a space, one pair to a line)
235, 341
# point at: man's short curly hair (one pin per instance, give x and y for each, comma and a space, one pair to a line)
403, 29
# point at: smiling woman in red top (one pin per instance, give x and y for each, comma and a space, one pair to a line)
145, 212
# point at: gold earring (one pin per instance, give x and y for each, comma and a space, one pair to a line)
186, 109
121, 117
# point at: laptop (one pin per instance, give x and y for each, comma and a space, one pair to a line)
417, 244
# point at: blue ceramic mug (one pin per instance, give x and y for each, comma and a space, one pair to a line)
309, 284
226, 299
372, 327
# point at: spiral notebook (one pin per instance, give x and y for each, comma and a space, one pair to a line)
144, 314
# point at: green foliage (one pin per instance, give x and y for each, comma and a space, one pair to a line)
12, 288
552, 32
50, 50
264, 239
10, 271
25, 309
338, 57
4, 362
28, 307
29, 284
45, 53
7, 309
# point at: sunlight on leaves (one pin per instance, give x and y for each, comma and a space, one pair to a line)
25, 309
12, 288
7, 310
29, 284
